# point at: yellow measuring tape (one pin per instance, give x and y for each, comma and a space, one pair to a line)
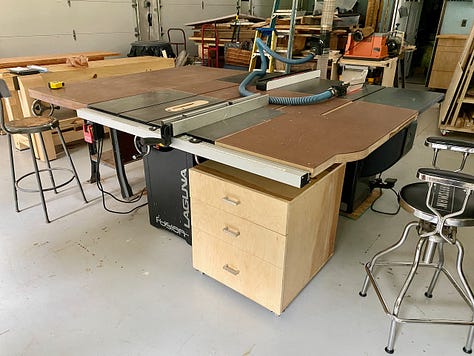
55, 85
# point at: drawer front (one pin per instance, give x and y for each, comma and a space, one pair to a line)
240, 233
242, 201
245, 273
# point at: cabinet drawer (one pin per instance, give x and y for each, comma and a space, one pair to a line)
260, 208
243, 234
243, 272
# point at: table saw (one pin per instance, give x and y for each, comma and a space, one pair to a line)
270, 189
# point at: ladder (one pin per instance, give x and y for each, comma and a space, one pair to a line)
272, 39
270, 34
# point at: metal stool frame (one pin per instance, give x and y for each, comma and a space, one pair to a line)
434, 230
45, 124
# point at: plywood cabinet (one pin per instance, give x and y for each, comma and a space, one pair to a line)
261, 238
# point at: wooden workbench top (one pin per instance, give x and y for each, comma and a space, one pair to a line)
10, 62
313, 140
311, 137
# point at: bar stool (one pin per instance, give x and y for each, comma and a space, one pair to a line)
442, 203
30, 126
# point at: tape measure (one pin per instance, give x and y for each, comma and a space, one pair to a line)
55, 85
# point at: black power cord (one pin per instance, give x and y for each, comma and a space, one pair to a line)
100, 146
389, 183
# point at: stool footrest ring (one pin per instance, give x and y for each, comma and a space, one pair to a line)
53, 187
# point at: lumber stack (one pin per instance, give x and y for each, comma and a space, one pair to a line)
306, 26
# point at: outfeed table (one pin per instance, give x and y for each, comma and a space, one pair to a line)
264, 208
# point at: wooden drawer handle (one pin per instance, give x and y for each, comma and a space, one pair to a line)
230, 232
229, 269
231, 201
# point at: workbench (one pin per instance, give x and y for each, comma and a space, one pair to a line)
264, 207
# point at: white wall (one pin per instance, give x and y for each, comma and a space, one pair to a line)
36, 27
455, 13
46, 26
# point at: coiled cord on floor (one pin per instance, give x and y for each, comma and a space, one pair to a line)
100, 145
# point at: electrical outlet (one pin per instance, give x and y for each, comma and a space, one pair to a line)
464, 23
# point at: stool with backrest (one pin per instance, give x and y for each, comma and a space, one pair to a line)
442, 203
30, 126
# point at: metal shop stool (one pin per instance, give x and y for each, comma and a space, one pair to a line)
30, 126
442, 203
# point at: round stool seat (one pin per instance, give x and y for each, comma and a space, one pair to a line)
413, 200
29, 125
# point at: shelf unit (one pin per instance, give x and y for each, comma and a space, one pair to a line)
457, 110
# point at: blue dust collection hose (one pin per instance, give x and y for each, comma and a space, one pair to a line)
280, 100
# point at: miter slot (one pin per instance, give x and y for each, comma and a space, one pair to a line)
196, 119
170, 110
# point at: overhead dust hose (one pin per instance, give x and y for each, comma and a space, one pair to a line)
303, 100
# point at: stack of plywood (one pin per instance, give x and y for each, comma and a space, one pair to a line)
457, 110
448, 51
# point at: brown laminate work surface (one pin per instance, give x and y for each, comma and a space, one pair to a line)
311, 137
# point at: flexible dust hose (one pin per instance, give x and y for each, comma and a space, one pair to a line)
281, 100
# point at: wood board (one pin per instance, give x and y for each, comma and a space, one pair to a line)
10, 62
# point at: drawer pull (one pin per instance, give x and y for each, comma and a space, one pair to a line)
230, 232
229, 269
231, 201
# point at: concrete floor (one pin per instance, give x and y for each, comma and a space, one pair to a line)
95, 283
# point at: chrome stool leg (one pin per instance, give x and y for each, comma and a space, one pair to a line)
371, 264
391, 337
66, 151
38, 178
468, 347
439, 267
468, 294
401, 295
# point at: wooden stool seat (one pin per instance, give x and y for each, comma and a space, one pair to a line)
30, 125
